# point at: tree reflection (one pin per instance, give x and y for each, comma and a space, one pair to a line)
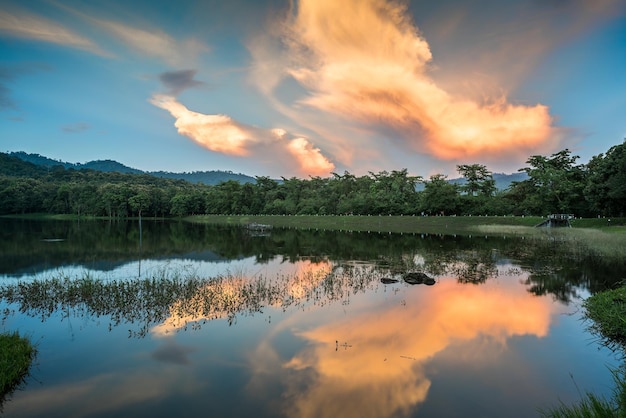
555, 267
167, 304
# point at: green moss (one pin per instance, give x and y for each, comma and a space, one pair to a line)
16, 355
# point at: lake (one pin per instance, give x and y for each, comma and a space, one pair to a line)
181, 319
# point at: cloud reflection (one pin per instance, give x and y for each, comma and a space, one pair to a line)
228, 297
381, 365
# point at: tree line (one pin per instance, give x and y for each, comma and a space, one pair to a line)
554, 184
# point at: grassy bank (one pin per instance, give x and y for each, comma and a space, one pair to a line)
16, 355
405, 224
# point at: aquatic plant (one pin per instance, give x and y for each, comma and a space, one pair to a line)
16, 355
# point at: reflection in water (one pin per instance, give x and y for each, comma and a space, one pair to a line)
326, 324
102, 395
378, 370
225, 298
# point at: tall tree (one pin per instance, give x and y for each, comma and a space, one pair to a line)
439, 196
555, 181
606, 182
479, 180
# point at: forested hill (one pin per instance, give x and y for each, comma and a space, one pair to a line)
207, 177
553, 184
213, 177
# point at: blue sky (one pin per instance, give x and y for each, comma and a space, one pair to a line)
306, 88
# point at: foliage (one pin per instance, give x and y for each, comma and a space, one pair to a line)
206, 177
16, 355
607, 312
606, 188
554, 184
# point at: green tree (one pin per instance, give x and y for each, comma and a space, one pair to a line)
140, 201
555, 185
606, 182
439, 196
479, 180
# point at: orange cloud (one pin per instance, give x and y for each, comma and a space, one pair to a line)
382, 365
222, 134
215, 132
310, 158
367, 61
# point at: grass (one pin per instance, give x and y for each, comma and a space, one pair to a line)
607, 312
16, 355
405, 224
593, 406
590, 406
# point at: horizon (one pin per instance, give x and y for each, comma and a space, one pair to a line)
12, 153
275, 88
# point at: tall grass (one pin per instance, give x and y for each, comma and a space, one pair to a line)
16, 355
593, 406
609, 245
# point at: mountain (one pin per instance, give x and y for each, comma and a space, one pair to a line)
12, 166
503, 181
207, 177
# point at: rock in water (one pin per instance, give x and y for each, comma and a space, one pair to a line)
418, 278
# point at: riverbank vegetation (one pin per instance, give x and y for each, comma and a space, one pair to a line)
606, 314
553, 184
16, 355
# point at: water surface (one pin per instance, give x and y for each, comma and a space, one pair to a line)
300, 323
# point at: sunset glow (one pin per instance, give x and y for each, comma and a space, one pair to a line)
220, 133
367, 61
356, 85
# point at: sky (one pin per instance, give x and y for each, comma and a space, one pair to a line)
307, 88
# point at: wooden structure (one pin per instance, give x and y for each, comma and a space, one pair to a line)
557, 220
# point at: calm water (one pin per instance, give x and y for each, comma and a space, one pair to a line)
301, 324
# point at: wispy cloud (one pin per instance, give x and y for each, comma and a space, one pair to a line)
220, 133
155, 42
151, 42
177, 81
26, 25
